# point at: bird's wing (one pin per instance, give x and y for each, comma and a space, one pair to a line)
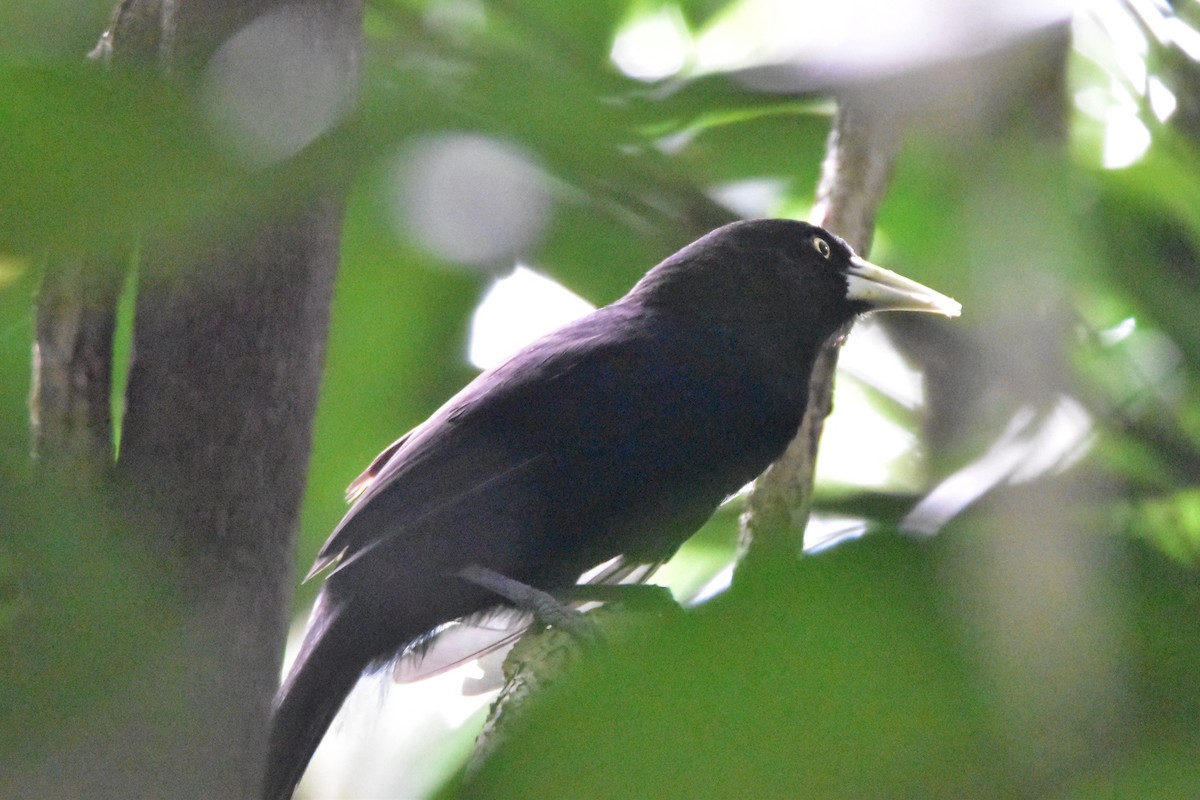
369, 475
512, 449
431, 472
464, 449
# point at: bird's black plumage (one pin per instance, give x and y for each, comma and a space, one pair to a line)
617, 435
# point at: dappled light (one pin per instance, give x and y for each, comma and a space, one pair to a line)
992, 590
517, 309
653, 46
469, 199
1031, 446
267, 94
866, 36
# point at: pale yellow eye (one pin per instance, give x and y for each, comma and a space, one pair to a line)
821, 246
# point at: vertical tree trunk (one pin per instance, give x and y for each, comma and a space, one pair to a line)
221, 397
228, 344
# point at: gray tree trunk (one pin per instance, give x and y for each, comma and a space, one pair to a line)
228, 345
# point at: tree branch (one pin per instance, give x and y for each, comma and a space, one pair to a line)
854, 177
70, 402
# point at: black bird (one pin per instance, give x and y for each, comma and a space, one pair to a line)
617, 435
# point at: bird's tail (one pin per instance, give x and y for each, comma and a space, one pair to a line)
330, 662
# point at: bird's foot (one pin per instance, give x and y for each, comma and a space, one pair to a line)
545, 607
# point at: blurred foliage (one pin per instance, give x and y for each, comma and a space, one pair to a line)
886, 667
855, 685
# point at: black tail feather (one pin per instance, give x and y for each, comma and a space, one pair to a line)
323, 675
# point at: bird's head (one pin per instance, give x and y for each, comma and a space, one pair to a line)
781, 272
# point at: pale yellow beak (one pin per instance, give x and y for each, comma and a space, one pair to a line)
884, 290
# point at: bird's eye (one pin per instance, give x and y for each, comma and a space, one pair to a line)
821, 246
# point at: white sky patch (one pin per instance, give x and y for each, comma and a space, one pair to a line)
870, 356
755, 197
824, 532
860, 446
1111, 35
1185, 37
1167, 27
1126, 138
1162, 100
515, 311
653, 46
1093, 102
864, 34
1106, 34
